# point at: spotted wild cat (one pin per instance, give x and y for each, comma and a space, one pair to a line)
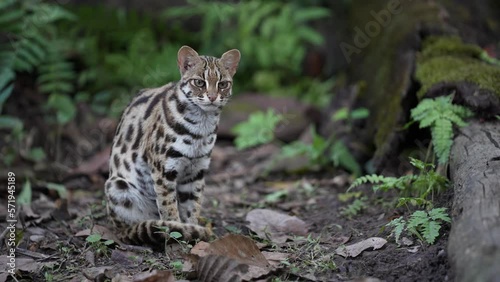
161, 150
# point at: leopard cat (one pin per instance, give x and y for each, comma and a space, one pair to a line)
161, 151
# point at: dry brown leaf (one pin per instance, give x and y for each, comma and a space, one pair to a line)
27, 211
275, 258
340, 239
278, 226
355, 249
40, 209
216, 268
90, 257
154, 276
200, 249
230, 258
24, 264
238, 247
93, 272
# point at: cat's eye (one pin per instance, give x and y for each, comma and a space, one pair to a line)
198, 82
223, 84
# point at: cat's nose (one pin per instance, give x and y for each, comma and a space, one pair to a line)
212, 97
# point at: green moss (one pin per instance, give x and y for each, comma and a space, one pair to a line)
448, 60
444, 45
386, 64
385, 70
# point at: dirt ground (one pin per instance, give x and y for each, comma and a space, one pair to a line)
53, 228
53, 231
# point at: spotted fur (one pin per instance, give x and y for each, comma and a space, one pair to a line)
161, 151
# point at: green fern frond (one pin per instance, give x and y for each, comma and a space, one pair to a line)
439, 214
442, 139
427, 224
420, 165
373, 179
398, 225
11, 16
56, 76
404, 201
440, 115
34, 46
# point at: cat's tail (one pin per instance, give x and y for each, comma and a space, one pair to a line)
156, 232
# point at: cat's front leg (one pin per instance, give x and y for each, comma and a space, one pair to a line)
189, 195
165, 187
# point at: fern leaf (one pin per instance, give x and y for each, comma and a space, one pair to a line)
413, 201
6, 75
49, 13
420, 165
399, 225
9, 18
440, 114
374, 179
428, 120
439, 214
312, 13
4, 95
64, 107
416, 219
66, 74
430, 231
457, 113
310, 35
10, 122
258, 16
442, 134
35, 48
6, 3
56, 87
27, 59
421, 110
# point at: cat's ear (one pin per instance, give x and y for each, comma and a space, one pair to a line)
187, 57
230, 60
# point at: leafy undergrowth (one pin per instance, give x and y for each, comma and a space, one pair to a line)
297, 229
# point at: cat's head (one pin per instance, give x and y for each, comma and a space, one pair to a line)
207, 81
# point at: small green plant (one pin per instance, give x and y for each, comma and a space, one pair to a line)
100, 247
257, 130
276, 196
424, 225
322, 152
34, 47
176, 265
489, 59
440, 115
350, 115
175, 236
353, 209
233, 229
49, 277
413, 189
275, 34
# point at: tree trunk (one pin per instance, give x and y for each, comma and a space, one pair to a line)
474, 242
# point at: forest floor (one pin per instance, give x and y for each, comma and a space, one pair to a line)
317, 220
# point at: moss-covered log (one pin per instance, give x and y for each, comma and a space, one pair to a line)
403, 51
474, 242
